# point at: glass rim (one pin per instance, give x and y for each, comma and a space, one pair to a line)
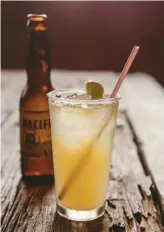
52, 96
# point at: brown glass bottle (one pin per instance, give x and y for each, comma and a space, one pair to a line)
35, 134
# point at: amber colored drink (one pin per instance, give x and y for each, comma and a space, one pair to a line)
82, 140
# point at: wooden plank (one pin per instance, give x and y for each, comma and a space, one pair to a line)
10, 171
145, 108
147, 97
12, 84
129, 208
10, 154
140, 92
136, 185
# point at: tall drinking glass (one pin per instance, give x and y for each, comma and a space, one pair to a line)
82, 133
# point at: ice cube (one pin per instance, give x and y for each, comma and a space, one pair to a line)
72, 126
77, 126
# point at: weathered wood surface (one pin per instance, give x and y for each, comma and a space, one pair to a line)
130, 201
142, 97
130, 204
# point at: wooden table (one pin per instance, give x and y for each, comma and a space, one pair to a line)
136, 187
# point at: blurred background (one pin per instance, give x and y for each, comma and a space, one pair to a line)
89, 35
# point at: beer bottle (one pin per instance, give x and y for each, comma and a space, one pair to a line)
35, 134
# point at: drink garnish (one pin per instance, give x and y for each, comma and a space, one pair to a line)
94, 89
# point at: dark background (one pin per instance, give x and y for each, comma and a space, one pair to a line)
89, 35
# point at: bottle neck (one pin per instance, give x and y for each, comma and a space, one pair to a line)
38, 73
38, 61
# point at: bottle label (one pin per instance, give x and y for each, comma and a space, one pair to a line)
36, 148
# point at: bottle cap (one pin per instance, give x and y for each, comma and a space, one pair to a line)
36, 21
